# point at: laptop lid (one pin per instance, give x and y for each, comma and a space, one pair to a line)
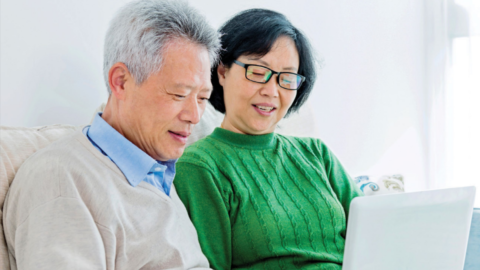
418, 230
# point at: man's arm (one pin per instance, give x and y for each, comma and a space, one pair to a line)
60, 234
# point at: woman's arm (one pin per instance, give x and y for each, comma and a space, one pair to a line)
339, 179
199, 191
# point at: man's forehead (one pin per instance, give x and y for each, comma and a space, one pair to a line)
192, 86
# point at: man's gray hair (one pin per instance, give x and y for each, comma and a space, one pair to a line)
141, 30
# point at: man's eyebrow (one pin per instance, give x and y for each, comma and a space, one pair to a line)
183, 86
267, 65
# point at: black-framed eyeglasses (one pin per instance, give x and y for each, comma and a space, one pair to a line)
261, 74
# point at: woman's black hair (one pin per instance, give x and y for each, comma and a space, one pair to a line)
253, 32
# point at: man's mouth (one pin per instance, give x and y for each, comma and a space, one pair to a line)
181, 133
180, 136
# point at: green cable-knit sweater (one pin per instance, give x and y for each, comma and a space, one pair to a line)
266, 202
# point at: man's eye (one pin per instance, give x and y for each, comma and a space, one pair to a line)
180, 96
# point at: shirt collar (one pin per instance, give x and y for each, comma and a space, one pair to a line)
131, 160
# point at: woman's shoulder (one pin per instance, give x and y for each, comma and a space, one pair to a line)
305, 142
307, 145
201, 153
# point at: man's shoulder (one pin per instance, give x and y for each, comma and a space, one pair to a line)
64, 143
68, 168
62, 160
61, 152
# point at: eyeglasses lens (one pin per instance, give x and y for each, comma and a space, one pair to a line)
261, 75
290, 81
258, 74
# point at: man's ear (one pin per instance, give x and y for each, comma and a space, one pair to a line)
118, 75
221, 70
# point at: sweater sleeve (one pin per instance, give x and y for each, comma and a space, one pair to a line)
341, 182
203, 200
59, 234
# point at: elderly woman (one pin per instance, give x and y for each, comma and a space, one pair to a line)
260, 200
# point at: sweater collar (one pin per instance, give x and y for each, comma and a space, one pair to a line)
265, 141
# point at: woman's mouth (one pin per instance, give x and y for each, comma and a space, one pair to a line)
264, 110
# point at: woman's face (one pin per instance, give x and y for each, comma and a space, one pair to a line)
254, 108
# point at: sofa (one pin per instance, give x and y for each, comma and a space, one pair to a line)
18, 143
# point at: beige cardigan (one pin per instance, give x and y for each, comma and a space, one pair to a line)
70, 207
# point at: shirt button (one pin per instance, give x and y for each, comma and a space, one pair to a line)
157, 169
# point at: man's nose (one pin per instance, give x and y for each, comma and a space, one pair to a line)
192, 112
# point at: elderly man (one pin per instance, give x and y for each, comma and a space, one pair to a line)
103, 197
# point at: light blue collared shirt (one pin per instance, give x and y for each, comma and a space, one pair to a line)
135, 164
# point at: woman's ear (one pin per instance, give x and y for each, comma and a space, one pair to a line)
221, 70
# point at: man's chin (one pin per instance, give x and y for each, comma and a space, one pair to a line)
177, 153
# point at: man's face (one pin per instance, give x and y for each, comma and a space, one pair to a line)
159, 115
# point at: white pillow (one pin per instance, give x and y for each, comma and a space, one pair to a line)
386, 184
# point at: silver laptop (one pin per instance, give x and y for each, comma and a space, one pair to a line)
415, 231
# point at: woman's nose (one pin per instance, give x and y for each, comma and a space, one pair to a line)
270, 88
